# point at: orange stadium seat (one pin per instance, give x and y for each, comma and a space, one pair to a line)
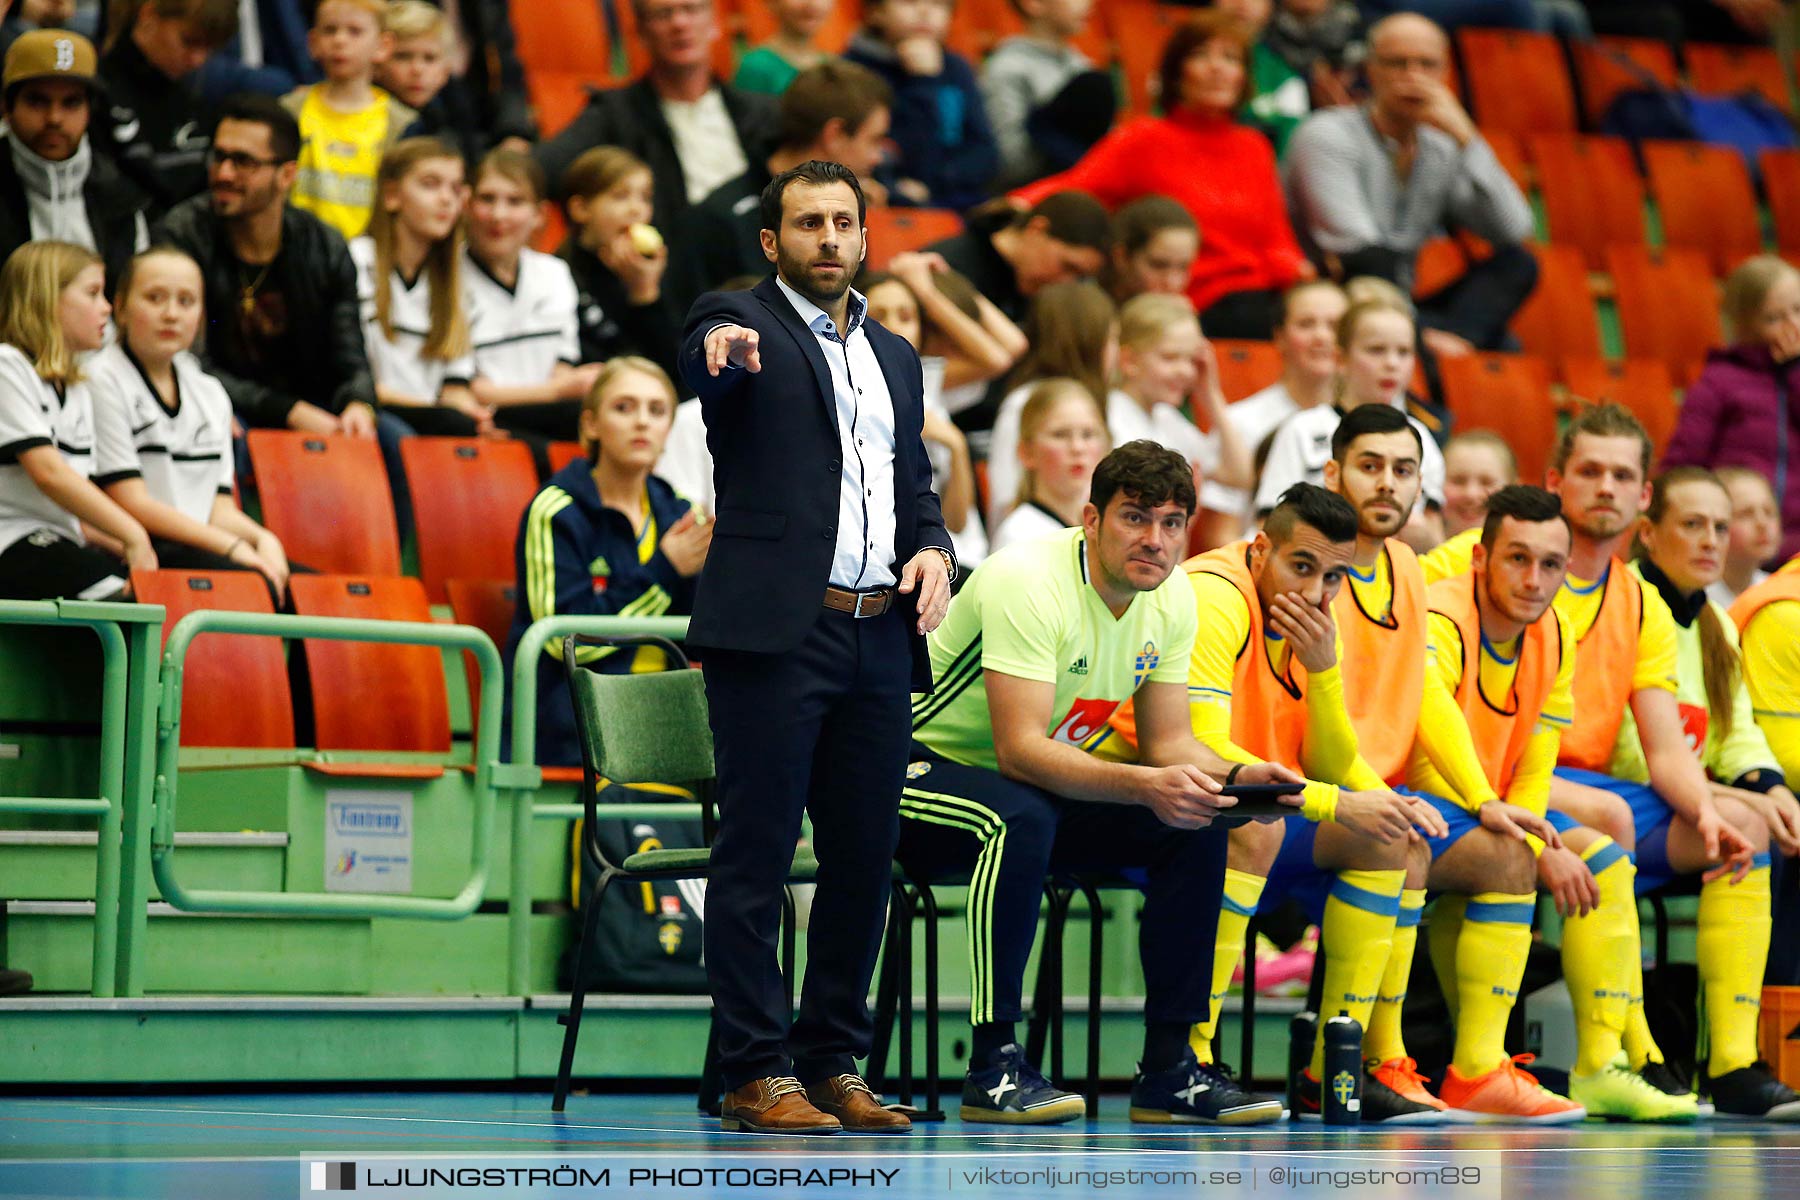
1703, 193
1603, 69
1509, 394
759, 24
373, 695
1781, 185
1517, 81
326, 497
487, 604
1593, 196
892, 230
468, 495
568, 38
1641, 384
1728, 70
559, 96
1245, 366
1440, 263
1559, 318
563, 453
1668, 305
1139, 29
1509, 148
234, 685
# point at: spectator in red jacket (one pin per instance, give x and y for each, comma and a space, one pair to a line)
1744, 410
1221, 171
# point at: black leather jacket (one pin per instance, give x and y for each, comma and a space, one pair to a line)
321, 356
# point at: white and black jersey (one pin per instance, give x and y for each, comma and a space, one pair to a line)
521, 333
400, 364
36, 413
183, 453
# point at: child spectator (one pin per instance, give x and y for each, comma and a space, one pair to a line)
1154, 248
770, 67
346, 122
1166, 363
409, 280
896, 304
162, 428
59, 534
1755, 533
1476, 465
157, 128
1009, 254
618, 259
1029, 81
1073, 333
1062, 438
605, 537
947, 153
1307, 341
1742, 411
974, 340
522, 303
417, 70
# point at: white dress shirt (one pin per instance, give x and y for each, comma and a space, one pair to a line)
865, 422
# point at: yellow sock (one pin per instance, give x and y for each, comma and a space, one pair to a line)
1597, 955
1242, 892
1731, 945
1357, 935
1442, 932
1490, 962
1384, 1040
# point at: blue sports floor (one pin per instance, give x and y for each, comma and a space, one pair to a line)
505, 1144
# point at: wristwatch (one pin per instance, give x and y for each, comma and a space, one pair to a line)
949, 562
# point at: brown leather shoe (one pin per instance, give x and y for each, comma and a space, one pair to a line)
849, 1099
776, 1104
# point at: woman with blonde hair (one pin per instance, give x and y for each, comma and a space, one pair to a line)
59, 534
1744, 410
607, 537
1062, 438
409, 278
1072, 332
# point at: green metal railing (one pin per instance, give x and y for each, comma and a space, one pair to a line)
522, 777
343, 629
124, 630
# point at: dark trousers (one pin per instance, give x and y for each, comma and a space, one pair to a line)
821, 730
1251, 314
959, 822
1479, 304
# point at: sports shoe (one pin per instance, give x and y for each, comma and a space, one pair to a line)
1381, 1104
1754, 1093
1508, 1093
1010, 1091
1617, 1093
1401, 1076
1195, 1093
1665, 1078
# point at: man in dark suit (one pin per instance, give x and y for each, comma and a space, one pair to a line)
694, 131
828, 566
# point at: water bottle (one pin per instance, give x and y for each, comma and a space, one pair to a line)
1340, 1099
1301, 1032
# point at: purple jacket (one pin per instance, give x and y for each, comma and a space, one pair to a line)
1744, 411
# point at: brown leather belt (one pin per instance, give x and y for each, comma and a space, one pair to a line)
859, 604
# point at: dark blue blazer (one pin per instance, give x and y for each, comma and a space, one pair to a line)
777, 471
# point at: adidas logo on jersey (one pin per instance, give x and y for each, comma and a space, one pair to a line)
1079, 666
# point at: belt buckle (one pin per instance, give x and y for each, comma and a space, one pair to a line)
858, 614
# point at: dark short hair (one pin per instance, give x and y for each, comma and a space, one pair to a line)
1073, 217
1310, 504
833, 90
1146, 473
1522, 502
1366, 419
257, 109
815, 172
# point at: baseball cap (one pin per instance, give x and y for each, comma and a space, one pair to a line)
48, 54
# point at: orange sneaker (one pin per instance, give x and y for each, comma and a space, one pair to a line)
1508, 1093
1402, 1074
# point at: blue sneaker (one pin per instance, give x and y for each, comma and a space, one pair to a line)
1196, 1093
1010, 1091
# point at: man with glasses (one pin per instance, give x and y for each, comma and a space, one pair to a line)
283, 326
1367, 185
53, 183
695, 131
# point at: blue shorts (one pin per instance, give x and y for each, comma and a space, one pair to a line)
1650, 817
1295, 876
1461, 821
